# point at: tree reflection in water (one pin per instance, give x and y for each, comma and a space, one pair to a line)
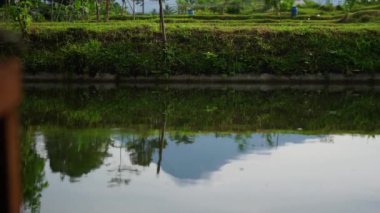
33, 175
118, 179
75, 153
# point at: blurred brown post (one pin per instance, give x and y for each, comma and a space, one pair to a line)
10, 96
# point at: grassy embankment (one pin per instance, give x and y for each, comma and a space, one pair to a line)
314, 43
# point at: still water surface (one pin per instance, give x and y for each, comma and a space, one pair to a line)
162, 161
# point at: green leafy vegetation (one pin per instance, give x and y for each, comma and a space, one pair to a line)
225, 38
20, 14
134, 51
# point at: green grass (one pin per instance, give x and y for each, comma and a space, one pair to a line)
230, 25
173, 25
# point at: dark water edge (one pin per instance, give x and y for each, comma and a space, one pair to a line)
327, 108
200, 79
335, 87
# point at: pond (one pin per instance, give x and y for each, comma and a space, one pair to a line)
171, 148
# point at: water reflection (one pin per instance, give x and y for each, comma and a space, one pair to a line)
204, 110
33, 175
235, 150
129, 160
74, 154
119, 179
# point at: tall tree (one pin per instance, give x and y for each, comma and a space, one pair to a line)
97, 5
143, 6
162, 22
123, 6
134, 9
107, 10
275, 4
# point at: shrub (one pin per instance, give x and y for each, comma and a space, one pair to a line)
365, 18
339, 7
327, 7
311, 4
286, 5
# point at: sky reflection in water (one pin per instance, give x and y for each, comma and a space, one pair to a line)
221, 173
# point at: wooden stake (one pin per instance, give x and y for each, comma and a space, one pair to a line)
162, 22
10, 96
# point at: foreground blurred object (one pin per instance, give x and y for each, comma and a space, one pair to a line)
10, 97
